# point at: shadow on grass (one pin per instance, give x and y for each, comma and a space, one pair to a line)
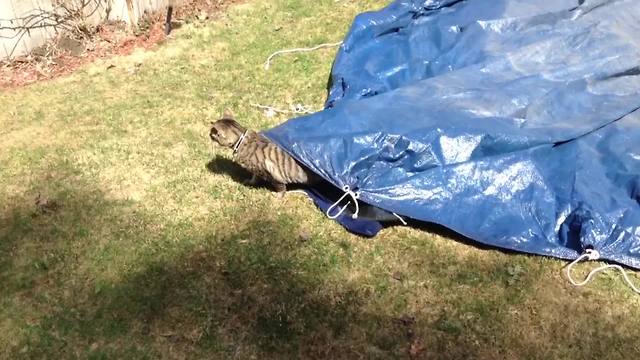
445, 232
241, 290
223, 166
233, 293
237, 298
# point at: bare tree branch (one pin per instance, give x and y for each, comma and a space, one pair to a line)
66, 15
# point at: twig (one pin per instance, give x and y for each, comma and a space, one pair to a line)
64, 16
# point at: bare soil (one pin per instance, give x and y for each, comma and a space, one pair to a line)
63, 55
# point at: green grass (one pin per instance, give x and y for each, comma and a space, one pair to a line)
158, 252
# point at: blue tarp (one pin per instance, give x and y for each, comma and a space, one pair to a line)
512, 122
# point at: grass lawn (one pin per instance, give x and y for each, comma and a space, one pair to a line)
157, 251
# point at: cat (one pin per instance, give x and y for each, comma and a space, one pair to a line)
266, 160
260, 156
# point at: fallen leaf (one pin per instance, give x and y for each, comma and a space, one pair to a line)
406, 320
416, 349
397, 275
45, 206
304, 236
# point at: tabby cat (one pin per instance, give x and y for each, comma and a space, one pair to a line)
261, 157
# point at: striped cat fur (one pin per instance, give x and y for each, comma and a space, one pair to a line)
258, 155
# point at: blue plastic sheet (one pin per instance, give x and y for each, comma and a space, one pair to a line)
512, 122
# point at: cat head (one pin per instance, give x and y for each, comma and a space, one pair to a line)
226, 132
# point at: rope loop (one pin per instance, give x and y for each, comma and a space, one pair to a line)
593, 255
355, 195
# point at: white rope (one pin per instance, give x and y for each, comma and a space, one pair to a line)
294, 109
279, 52
237, 145
400, 218
297, 192
354, 196
306, 195
594, 255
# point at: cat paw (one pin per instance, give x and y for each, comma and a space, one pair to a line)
280, 188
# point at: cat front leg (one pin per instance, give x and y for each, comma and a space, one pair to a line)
280, 188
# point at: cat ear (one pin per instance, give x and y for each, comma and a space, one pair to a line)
228, 114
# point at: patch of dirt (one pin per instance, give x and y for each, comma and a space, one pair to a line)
63, 55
